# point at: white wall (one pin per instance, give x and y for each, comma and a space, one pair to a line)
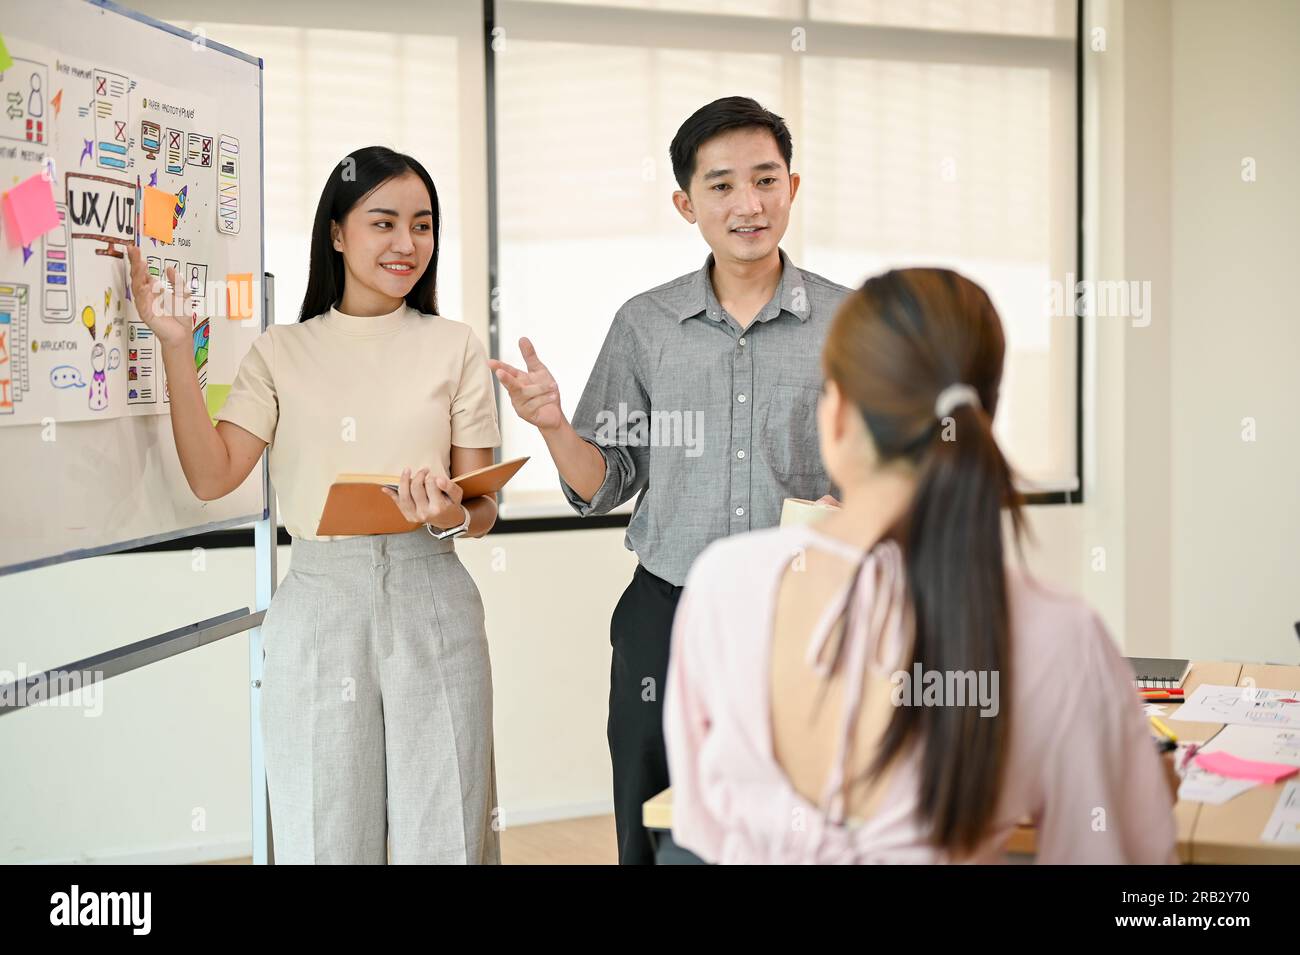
166, 747
1236, 338
1199, 529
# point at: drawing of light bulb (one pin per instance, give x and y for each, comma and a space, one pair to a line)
98, 379
88, 319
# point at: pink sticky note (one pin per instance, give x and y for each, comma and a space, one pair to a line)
29, 211
1233, 767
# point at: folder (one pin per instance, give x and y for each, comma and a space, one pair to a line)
356, 503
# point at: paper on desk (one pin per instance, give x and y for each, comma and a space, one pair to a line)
1244, 705
1200, 785
1150, 709
1261, 743
1284, 825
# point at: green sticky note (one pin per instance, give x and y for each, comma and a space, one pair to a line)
6, 60
217, 395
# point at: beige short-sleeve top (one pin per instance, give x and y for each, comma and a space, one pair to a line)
342, 393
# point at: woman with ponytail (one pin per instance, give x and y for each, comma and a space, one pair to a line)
882, 686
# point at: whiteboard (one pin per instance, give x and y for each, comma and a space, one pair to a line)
108, 101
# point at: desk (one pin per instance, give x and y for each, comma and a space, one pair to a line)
1207, 835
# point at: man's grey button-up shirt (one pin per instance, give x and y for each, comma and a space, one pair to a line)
713, 425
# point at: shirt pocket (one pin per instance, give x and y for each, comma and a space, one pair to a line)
789, 432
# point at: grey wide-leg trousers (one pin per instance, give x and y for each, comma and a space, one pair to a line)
377, 706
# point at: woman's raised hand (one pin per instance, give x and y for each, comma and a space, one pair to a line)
164, 312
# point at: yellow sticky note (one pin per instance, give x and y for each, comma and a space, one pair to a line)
6, 60
239, 296
158, 206
217, 395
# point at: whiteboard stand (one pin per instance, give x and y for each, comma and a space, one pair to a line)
264, 568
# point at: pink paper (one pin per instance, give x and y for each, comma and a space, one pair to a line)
1233, 767
29, 211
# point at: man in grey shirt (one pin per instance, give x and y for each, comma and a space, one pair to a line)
702, 401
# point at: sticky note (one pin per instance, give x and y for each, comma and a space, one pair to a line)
239, 296
216, 395
158, 208
29, 211
6, 60
1233, 767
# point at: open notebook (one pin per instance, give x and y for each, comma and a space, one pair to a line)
356, 503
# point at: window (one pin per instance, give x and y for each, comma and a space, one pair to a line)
926, 133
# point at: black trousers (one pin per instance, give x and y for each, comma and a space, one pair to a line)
640, 633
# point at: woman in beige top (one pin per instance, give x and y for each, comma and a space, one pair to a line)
377, 689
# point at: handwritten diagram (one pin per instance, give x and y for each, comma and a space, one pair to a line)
71, 344
228, 185
15, 377
112, 117
1250, 706
24, 88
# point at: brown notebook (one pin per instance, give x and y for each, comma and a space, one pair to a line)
357, 505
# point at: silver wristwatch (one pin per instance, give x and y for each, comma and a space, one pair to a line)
457, 531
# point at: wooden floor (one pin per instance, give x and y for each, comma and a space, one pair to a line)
588, 841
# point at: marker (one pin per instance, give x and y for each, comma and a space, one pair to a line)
1165, 731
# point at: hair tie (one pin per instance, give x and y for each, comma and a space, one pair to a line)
953, 397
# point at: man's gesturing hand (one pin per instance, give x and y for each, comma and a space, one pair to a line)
533, 393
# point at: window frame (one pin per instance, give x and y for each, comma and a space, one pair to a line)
555, 21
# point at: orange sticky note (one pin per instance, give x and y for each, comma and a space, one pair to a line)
239, 296
158, 207
29, 211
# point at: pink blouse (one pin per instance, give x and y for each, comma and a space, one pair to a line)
1081, 760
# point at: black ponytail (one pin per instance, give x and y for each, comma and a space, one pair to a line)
896, 345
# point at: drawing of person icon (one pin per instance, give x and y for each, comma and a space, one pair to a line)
194, 280
36, 99
98, 379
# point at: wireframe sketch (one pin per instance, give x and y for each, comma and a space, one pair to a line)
174, 152
228, 185
26, 112
198, 151
15, 370
56, 277
112, 119
141, 381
